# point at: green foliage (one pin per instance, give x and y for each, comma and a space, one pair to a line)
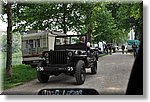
137, 10
123, 17
105, 27
137, 18
20, 75
52, 16
108, 21
16, 42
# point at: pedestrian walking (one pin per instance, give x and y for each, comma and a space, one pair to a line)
106, 49
123, 48
134, 47
126, 49
109, 49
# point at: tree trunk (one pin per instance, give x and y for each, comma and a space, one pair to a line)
90, 24
9, 42
89, 34
64, 19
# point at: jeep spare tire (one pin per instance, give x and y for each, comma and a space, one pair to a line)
80, 72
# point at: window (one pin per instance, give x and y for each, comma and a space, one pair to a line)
30, 43
38, 42
26, 43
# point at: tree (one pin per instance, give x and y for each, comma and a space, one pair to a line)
9, 41
127, 16
79, 17
137, 19
50, 16
105, 28
101, 20
88, 10
130, 16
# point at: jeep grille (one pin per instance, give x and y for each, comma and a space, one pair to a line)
58, 57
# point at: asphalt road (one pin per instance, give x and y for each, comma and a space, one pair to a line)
112, 78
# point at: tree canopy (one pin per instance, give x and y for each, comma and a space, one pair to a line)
101, 21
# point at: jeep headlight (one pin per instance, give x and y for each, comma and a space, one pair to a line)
70, 54
78, 52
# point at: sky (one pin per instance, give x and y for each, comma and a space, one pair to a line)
3, 26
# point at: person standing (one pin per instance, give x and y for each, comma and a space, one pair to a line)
65, 40
123, 48
105, 48
126, 49
110, 49
82, 40
134, 47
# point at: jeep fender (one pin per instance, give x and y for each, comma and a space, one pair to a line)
84, 58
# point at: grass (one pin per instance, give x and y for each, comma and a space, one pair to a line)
20, 74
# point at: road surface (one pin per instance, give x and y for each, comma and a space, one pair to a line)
112, 78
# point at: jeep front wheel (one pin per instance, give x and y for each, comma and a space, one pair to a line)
80, 72
42, 77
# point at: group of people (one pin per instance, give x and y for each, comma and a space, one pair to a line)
108, 48
134, 48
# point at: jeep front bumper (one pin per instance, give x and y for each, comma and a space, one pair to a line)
54, 69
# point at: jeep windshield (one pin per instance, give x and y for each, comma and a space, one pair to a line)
74, 42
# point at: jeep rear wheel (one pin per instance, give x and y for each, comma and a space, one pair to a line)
94, 68
43, 78
80, 72
33, 66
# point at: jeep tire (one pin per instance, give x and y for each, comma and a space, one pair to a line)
43, 78
80, 72
33, 66
94, 68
